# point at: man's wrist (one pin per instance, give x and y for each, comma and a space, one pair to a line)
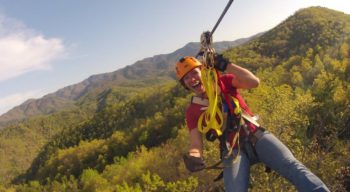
221, 63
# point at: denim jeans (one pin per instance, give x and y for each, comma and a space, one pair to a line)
273, 153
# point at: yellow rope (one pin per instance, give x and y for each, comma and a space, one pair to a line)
212, 117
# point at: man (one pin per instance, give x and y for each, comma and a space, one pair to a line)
257, 145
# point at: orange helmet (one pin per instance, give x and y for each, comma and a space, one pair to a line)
185, 65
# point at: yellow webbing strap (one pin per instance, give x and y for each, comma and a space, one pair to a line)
212, 117
237, 111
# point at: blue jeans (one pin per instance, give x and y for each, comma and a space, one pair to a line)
273, 153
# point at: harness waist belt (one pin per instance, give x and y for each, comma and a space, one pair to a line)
256, 136
205, 102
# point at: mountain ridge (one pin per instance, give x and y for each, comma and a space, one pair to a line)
303, 99
64, 98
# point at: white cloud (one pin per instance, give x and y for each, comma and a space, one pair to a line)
23, 50
9, 101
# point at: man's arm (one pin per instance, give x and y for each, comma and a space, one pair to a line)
194, 159
196, 143
244, 79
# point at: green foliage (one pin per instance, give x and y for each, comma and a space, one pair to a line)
135, 141
148, 119
153, 183
92, 181
21, 142
304, 96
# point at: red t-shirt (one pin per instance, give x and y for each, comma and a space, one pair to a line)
194, 110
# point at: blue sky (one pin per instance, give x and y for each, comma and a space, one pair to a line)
47, 45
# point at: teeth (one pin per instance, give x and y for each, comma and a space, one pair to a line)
196, 83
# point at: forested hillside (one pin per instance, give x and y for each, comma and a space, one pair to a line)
136, 138
71, 107
141, 73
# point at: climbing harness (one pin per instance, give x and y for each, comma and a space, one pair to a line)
245, 115
212, 117
234, 123
216, 121
249, 141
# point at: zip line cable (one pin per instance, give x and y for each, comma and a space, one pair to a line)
213, 116
222, 16
206, 38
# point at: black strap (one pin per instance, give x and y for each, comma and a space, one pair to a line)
219, 177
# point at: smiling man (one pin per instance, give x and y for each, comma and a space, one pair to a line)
255, 144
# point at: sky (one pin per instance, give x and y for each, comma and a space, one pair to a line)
48, 45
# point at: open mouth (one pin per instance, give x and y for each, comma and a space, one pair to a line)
196, 84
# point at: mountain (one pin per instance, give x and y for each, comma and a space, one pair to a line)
159, 66
315, 28
135, 142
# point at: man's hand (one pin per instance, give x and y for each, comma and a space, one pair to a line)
193, 164
220, 62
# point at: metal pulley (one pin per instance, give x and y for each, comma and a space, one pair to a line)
206, 39
206, 50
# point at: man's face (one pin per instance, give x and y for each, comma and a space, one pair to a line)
193, 82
